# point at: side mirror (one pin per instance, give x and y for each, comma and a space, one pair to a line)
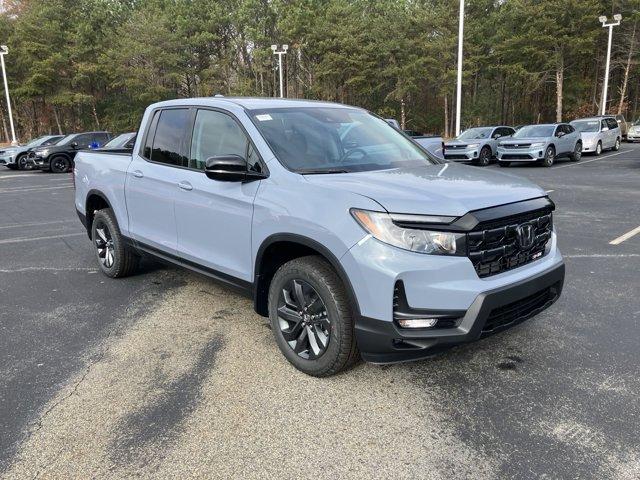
560, 134
226, 168
605, 129
496, 136
74, 145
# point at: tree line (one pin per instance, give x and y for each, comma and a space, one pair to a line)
96, 64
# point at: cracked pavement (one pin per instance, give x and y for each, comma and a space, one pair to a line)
168, 375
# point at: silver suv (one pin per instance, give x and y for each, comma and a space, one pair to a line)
598, 134
477, 145
542, 144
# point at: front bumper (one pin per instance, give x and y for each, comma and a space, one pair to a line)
461, 154
491, 312
633, 136
520, 154
7, 160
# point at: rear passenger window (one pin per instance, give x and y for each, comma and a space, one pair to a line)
167, 144
215, 133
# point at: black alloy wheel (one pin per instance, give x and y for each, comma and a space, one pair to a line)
485, 157
303, 319
22, 162
60, 164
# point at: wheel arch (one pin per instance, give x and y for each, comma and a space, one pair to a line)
96, 200
280, 248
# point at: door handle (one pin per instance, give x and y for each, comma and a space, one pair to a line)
137, 174
185, 186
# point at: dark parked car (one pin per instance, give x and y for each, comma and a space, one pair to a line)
58, 158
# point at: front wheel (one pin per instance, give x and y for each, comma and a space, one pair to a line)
22, 163
598, 148
60, 164
485, 157
311, 317
115, 258
549, 157
577, 153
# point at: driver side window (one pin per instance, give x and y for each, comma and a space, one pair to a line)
215, 133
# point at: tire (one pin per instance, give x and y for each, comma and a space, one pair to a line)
484, 158
598, 150
504, 164
318, 282
577, 153
21, 162
549, 156
59, 164
115, 258
616, 147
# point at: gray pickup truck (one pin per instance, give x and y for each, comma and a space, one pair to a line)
351, 238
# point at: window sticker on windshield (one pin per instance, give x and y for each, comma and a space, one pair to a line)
263, 117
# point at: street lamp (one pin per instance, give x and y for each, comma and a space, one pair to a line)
280, 53
459, 86
3, 51
603, 19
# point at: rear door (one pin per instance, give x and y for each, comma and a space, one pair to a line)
213, 217
152, 180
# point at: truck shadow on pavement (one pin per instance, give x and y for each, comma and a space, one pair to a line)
157, 422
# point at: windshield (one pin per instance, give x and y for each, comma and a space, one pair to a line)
68, 139
586, 125
535, 131
45, 140
120, 141
335, 140
480, 132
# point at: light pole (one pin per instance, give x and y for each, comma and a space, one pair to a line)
280, 53
617, 17
3, 51
459, 86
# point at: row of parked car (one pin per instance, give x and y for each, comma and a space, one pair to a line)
55, 153
542, 143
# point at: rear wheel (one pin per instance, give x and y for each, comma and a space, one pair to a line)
60, 164
616, 147
311, 317
549, 156
485, 157
22, 163
115, 258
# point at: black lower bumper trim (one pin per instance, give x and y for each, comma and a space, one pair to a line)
382, 341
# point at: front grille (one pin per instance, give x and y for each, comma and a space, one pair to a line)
518, 145
519, 310
454, 147
496, 246
515, 156
449, 156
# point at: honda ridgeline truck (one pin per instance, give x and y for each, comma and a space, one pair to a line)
347, 235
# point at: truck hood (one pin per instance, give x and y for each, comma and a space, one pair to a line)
447, 189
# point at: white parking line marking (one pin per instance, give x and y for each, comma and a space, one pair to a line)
589, 161
48, 269
36, 224
624, 237
35, 239
34, 189
602, 255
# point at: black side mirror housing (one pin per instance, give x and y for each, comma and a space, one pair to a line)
74, 144
230, 168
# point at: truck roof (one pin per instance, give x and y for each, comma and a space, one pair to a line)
252, 103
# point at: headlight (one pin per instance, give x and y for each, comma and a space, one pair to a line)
43, 153
536, 145
473, 145
380, 226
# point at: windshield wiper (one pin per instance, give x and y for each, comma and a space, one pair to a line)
320, 171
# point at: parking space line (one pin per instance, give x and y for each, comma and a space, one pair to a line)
589, 161
35, 224
624, 237
35, 239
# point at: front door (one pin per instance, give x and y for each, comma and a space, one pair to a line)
213, 218
152, 180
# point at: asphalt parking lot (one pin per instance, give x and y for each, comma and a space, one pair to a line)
167, 374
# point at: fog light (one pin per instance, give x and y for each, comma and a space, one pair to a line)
418, 322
